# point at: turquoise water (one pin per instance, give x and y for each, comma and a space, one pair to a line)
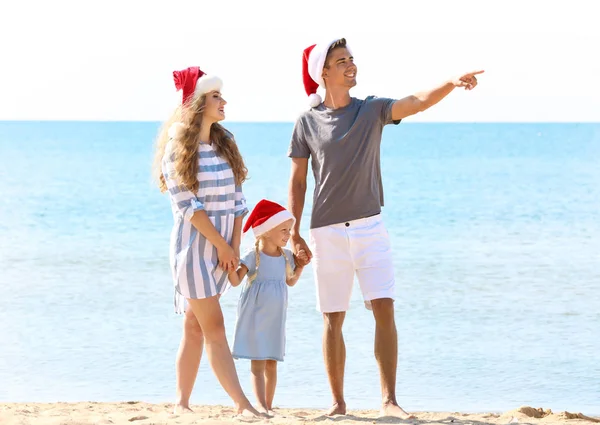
496, 235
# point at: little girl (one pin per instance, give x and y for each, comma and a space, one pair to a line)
270, 269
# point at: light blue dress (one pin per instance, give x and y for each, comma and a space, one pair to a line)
262, 307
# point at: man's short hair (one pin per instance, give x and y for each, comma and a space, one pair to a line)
335, 45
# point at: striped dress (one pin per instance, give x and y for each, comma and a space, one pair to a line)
193, 259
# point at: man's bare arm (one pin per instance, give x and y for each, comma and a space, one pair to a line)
296, 198
422, 101
297, 190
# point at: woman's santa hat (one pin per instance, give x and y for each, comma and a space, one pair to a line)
193, 82
265, 216
313, 61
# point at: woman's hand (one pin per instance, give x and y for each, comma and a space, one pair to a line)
228, 261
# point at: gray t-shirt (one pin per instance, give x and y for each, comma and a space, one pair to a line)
344, 147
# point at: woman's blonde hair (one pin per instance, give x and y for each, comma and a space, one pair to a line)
185, 147
289, 273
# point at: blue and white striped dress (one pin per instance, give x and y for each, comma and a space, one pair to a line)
193, 259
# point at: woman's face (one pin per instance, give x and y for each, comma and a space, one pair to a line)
214, 107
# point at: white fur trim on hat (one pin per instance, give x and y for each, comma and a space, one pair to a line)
208, 83
316, 60
273, 221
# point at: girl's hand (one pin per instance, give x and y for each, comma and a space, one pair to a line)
302, 258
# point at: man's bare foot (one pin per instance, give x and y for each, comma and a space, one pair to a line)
337, 409
395, 411
180, 409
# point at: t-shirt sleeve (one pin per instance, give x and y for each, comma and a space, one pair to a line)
290, 256
249, 260
299, 145
383, 108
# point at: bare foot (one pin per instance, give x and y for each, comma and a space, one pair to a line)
180, 409
262, 408
337, 409
395, 411
248, 411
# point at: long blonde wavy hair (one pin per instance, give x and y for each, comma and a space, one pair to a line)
289, 273
185, 147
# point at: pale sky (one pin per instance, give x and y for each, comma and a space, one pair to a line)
113, 60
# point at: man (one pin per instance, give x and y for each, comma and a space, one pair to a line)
342, 136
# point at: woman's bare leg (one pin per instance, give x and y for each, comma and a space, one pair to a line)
210, 316
188, 361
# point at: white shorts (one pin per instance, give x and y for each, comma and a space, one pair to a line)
340, 251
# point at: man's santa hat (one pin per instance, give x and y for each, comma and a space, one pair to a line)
265, 216
313, 61
193, 82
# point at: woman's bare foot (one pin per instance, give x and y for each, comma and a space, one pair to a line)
393, 410
247, 410
180, 409
337, 409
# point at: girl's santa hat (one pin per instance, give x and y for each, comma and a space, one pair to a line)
265, 216
193, 82
313, 61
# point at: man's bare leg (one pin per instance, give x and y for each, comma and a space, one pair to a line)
386, 354
334, 353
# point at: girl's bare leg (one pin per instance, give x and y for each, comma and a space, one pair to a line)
270, 383
257, 368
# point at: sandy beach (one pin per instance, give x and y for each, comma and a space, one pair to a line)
140, 413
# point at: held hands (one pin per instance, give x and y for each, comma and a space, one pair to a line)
302, 258
228, 259
468, 80
301, 250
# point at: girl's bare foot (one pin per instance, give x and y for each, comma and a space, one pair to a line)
337, 409
395, 411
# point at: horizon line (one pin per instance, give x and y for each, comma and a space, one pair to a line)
285, 122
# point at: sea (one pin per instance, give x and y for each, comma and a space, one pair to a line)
495, 229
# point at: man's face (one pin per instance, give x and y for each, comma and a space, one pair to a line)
340, 69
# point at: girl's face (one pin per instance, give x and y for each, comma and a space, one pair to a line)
214, 107
280, 235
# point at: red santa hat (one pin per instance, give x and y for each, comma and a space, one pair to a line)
194, 82
313, 61
265, 216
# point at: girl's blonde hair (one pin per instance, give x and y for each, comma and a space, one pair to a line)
289, 273
185, 147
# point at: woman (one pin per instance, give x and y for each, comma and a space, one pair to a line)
198, 163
